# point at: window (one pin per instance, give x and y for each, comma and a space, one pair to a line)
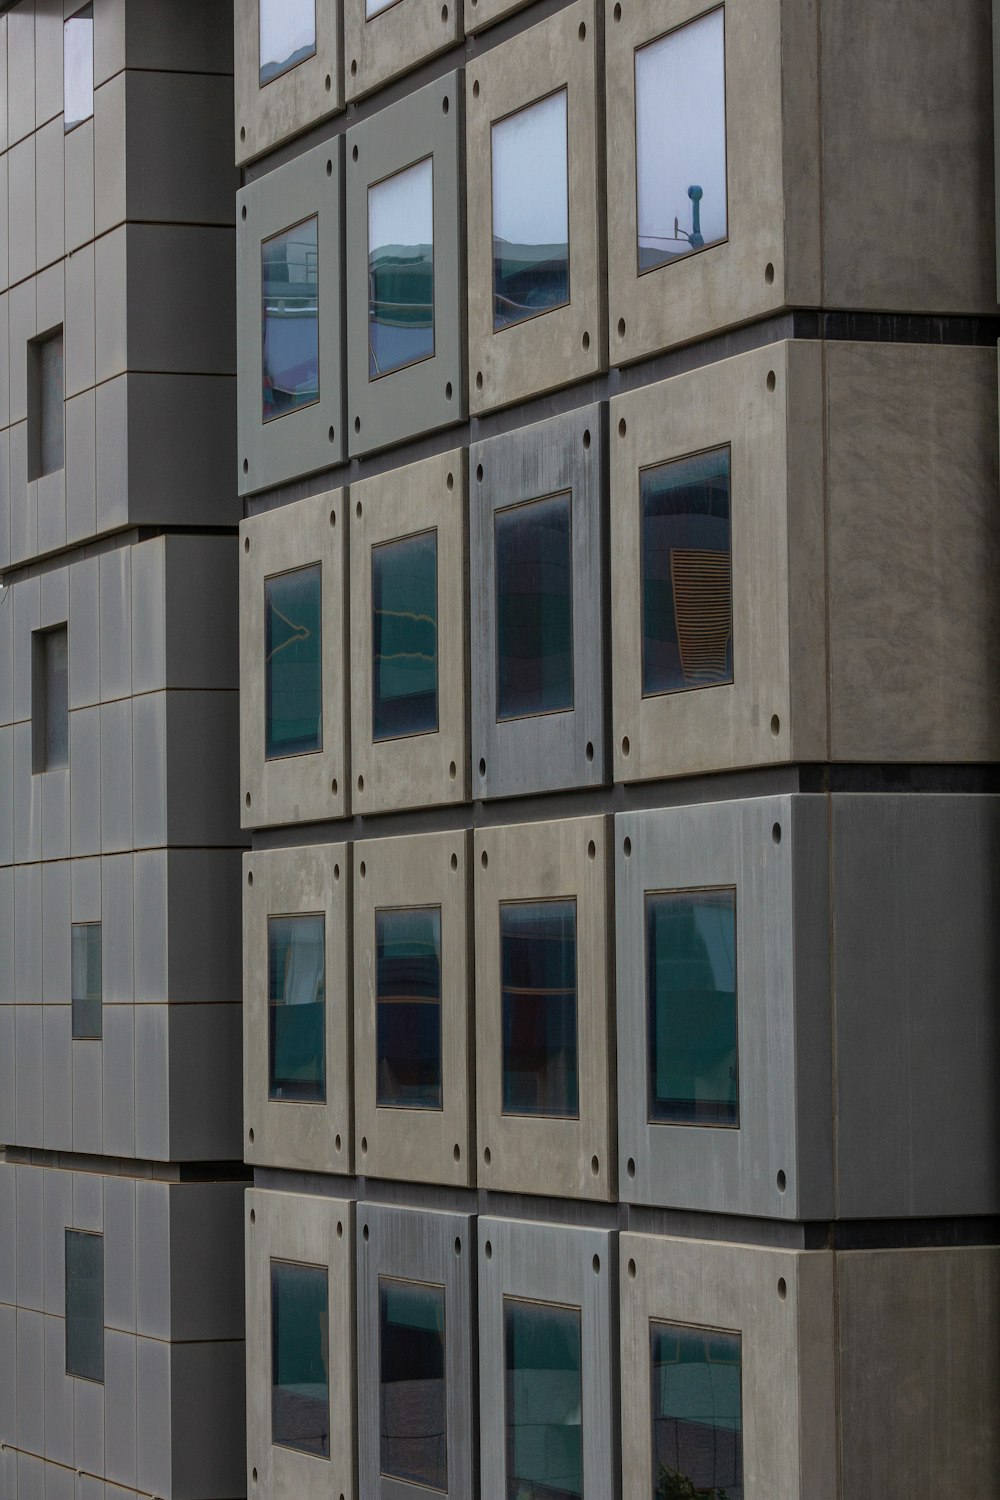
45, 405
544, 1399
408, 1007
680, 127
530, 212
293, 685
296, 1008
287, 36
538, 980
534, 608
413, 1408
290, 319
376, 7
401, 269
687, 585
404, 637
300, 1358
697, 1423
86, 979
85, 1305
78, 68
49, 699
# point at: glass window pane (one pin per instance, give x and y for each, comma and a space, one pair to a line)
697, 1420
413, 1416
300, 1370
51, 430
290, 319
376, 7
404, 637
287, 35
55, 694
534, 573
78, 68
687, 586
85, 1305
401, 269
530, 212
293, 650
296, 1008
544, 1395
86, 978
691, 1000
680, 113
538, 965
408, 1007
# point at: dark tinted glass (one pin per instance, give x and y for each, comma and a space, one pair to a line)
287, 35
49, 699
293, 649
530, 212
85, 1305
697, 1423
296, 1008
401, 269
86, 979
46, 410
78, 68
408, 1007
544, 1391
413, 1425
687, 589
290, 321
538, 966
404, 637
691, 999
300, 1373
534, 573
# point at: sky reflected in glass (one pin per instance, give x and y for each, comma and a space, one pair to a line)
401, 269
530, 212
287, 36
78, 68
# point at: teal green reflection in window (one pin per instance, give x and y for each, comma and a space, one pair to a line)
293, 688
530, 212
413, 1406
691, 1000
696, 1413
287, 36
544, 1397
290, 319
300, 1370
85, 1305
405, 637
408, 1007
85, 957
401, 269
296, 1008
534, 583
538, 980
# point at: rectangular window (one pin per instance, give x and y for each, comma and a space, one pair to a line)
680, 141
49, 699
300, 1358
408, 1007
289, 287
530, 212
78, 68
376, 7
85, 1305
401, 269
86, 979
296, 1008
691, 1004
544, 1397
413, 1406
287, 36
696, 1412
293, 655
45, 405
687, 581
404, 637
538, 983
534, 608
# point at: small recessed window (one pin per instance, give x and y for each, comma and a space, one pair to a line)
78, 68
293, 685
49, 699
290, 319
530, 212
45, 405
408, 1007
691, 1004
405, 637
376, 7
85, 1305
300, 1358
401, 269
696, 1412
544, 1400
534, 608
680, 127
538, 982
413, 1407
296, 1008
687, 585
287, 36
86, 979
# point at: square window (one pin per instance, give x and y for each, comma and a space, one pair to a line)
78, 68
530, 175
534, 608
86, 974
287, 36
296, 967
85, 1305
293, 647
413, 1410
408, 1004
405, 637
300, 1358
696, 1411
538, 987
289, 288
46, 414
401, 269
543, 1361
49, 699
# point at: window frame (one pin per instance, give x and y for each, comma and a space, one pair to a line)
92, 1234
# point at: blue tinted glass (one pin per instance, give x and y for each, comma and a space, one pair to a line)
534, 573
287, 35
300, 1370
78, 68
401, 269
290, 319
85, 1305
543, 1364
530, 212
408, 1007
691, 999
687, 589
413, 1416
296, 1008
404, 637
697, 1418
538, 969
293, 687
86, 978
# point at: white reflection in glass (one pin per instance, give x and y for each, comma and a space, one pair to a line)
376, 7
680, 112
530, 212
287, 36
401, 269
78, 68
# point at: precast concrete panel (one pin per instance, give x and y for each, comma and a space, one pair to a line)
269, 113
397, 38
